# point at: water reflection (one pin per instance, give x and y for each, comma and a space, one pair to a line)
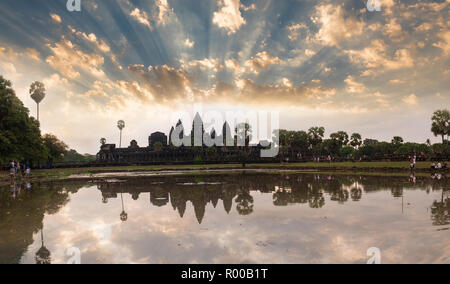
285, 190
24, 206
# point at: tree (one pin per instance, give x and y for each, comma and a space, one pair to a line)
316, 135
37, 92
370, 142
341, 137
356, 140
397, 140
56, 148
300, 141
121, 126
103, 141
441, 124
20, 137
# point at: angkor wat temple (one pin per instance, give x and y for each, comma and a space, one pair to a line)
161, 149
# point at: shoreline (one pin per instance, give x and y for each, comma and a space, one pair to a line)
365, 168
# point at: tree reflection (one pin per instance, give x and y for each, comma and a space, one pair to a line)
440, 211
43, 255
123, 215
22, 218
244, 203
313, 190
356, 194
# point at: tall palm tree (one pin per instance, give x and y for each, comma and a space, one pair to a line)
37, 92
121, 126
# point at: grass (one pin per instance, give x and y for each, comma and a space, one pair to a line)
374, 168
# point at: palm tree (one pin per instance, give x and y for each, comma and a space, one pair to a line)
37, 92
356, 140
441, 124
103, 141
397, 140
121, 126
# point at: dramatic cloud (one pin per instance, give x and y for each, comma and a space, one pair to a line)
131, 58
141, 17
261, 61
100, 44
229, 16
69, 59
376, 58
334, 27
165, 13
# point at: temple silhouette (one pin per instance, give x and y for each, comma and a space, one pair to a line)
161, 148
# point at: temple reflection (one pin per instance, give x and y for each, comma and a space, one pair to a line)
237, 190
24, 206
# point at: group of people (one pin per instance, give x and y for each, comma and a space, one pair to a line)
16, 188
15, 168
438, 166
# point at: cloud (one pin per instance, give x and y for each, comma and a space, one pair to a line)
229, 16
295, 30
165, 13
188, 43
411, 100
286, 94
165, 83
168, 84
207, 63
56, 18
309, 52
334, 27
55, 81
444, 42
33, 54
9, 71
394, 30
69, 59
141, 17
234, 66
375, 57
353, 86
92, 38
261, 61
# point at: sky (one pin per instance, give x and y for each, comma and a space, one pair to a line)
335, 64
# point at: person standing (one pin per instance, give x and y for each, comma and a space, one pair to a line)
28, 171
18, 170
12, 170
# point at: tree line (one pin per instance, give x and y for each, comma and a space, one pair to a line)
340, 144
20, 134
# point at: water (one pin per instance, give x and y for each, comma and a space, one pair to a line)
235, 218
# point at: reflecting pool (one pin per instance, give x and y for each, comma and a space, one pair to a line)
232, 218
